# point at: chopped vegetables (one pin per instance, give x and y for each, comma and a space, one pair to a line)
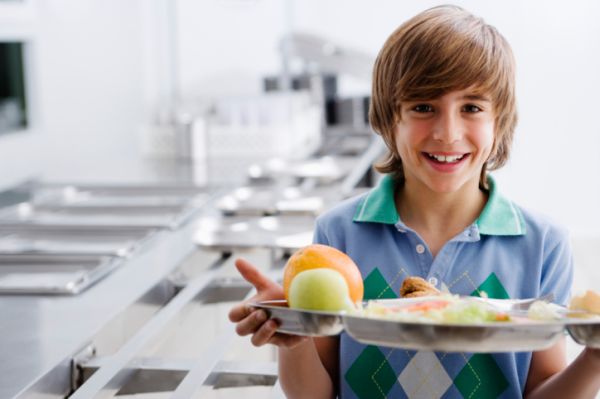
447, 309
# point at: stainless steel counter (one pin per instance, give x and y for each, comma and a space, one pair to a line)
38, 333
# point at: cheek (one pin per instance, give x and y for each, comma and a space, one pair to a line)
486, 138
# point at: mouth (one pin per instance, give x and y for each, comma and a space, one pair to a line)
446, 159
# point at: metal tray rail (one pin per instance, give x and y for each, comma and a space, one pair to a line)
165, 375
52, 274
117, 371
71, 189
122, 243
125, 372
287, 233
30, 216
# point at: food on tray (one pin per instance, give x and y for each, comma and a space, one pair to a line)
449, 309
320, 289
413, 287
589, 302
541, 310
317, 256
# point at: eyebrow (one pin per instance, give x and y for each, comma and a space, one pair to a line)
476, 97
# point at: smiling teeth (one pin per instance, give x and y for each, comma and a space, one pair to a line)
446, 158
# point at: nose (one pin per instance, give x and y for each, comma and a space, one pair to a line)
448, 127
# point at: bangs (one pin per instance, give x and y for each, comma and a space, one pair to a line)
441, 50
452, 57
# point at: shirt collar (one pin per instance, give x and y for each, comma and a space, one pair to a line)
499, 216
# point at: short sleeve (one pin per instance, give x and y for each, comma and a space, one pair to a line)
557, 272
319, 236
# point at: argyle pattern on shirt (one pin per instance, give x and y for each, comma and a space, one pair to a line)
423, 374
506, 252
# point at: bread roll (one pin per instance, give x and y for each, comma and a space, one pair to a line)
590, 302
415, 287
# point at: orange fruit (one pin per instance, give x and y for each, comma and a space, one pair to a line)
323, 256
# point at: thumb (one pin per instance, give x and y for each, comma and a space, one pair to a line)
252, 275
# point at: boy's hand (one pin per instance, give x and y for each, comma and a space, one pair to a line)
255, 321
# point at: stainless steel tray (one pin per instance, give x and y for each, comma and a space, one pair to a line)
261, 201
75, 190
488, 337
585, 332
73, 242
519, 334
239, 233
29, 214
514, 336
52, 274
302, 322
324, 169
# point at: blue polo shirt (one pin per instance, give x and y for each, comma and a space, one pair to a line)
507, 252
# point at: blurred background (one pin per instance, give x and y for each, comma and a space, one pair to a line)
101, 74
197, 92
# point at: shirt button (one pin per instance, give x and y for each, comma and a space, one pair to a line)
433, 281
420, 249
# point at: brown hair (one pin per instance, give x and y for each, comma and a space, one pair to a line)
440, 50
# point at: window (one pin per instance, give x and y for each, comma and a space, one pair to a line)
13, 103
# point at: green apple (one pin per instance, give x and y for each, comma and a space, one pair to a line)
320, 289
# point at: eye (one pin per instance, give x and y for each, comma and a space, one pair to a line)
471, 108
422, 108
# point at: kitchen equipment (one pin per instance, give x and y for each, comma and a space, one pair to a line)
30, 215
264, 201
228, 234
74, 241
52, 274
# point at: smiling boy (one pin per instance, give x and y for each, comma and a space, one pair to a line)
443, 100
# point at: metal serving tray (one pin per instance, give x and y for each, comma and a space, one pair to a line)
71, 191
73, 241
52, 274
302, 322
261, 201
585, 332
239, 233
323, 169
112, 218
514, 336
484, 337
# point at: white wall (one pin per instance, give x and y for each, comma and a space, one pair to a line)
86, 88
98, 78
555, 158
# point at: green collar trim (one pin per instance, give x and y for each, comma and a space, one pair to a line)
499, 216
378, 206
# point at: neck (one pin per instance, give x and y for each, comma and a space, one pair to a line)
437, 217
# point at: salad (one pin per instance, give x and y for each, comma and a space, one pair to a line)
447, 309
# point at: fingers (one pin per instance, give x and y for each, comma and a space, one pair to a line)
264, 333
239, 312
253, 275
251, 323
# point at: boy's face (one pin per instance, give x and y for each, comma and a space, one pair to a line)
444, 142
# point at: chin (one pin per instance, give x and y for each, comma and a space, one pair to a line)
446, 187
